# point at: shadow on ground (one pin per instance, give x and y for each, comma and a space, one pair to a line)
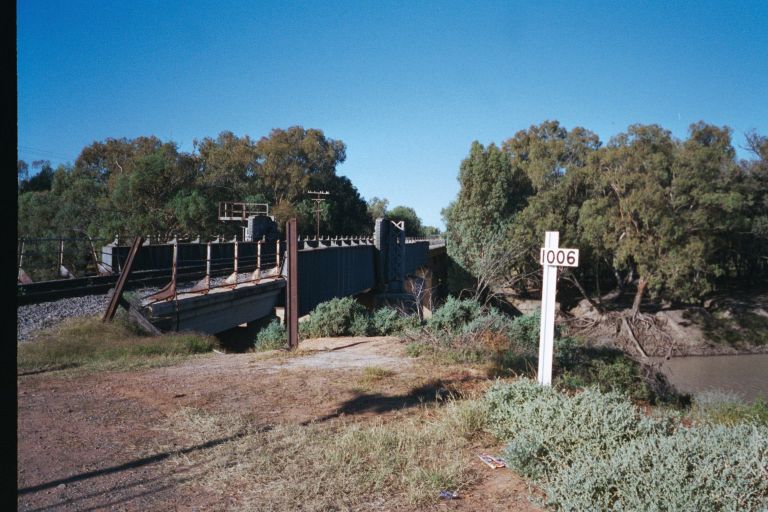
435, 391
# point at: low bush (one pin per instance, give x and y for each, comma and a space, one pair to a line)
335, 317
388, 321
524, 331
713, 467
579, 366
385, 321
546, 428
489, 320
597, 451
462, 331
454, 315
272, 337
360, 325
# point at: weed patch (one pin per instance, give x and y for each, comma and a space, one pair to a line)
376, 373
91, 343
726, 409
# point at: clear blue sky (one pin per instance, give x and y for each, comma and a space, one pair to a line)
406, 85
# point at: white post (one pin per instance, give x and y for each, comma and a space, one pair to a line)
208, 261
236, 258
547, 332
258, 257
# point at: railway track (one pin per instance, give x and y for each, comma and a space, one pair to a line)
45, 291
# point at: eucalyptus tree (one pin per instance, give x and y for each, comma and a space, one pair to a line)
413, 225
492, 191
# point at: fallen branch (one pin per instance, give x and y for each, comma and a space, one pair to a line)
632, 336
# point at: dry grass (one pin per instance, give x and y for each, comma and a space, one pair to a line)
373, 375
89, 344
336, 465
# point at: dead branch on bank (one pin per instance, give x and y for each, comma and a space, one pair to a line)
641, 334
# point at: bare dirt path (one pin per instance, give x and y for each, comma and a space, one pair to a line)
95, 442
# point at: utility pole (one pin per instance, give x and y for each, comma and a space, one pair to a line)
318, 199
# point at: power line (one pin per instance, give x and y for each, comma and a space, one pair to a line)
42, 152
317, 199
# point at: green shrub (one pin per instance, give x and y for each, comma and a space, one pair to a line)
334, 318
388, 321
546, 429
609, 369
713, 467
272, 337
524, 331
385, 321
597, 451
454, 315
489, 320
305, 329
360, 325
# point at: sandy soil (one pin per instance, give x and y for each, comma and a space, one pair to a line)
94, 442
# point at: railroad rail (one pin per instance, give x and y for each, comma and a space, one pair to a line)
45, 291
189, 270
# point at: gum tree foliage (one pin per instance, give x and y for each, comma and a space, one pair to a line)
672, 208
379, 207
554, 160
297, 160
226, 168
492, 192
753, 180
147, 186
673, 218
41, 181
412, 221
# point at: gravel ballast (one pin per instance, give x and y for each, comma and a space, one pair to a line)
32, 318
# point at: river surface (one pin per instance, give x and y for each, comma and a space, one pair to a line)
746, 375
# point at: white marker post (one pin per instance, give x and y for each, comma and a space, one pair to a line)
550, 258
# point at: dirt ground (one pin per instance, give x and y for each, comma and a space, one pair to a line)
94, 442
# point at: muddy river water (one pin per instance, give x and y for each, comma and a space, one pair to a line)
746, 375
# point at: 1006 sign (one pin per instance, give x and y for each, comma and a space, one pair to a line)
559, 257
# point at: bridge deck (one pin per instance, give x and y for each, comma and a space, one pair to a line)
218, 310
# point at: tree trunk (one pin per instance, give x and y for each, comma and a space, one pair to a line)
641, 285
597, 282
572, 278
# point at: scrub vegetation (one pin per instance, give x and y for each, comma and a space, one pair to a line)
597, 451
90, 344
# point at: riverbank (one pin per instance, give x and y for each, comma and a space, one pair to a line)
725, 325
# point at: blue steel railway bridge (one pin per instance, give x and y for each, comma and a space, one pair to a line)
215, 286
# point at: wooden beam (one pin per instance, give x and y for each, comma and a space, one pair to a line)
109, 314
292, 288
